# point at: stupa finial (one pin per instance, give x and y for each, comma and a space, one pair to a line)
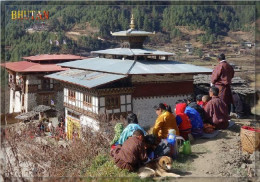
132, 23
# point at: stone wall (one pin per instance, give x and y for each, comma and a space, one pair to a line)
31, 101
59, 101
143, 108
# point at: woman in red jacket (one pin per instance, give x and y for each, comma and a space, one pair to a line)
183, 120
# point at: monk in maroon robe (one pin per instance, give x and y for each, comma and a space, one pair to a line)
216, 111
132, 154
221, 78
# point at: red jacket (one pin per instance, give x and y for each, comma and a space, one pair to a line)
185, 123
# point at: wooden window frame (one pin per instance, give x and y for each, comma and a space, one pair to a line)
45, 84
72, 95
74, 115
112, 102
87, 100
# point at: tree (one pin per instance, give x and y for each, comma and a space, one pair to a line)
54, 25
147, 23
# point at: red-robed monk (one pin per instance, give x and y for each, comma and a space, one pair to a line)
221, 78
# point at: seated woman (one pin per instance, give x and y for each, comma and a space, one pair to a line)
131, 127
183, 120
196, 122
164, 122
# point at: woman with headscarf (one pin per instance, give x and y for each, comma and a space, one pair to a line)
130, 129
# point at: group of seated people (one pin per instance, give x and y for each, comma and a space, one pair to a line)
133, 146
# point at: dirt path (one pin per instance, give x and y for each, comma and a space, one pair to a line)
221, 156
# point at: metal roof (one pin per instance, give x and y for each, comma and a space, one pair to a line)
166, 67
131, 32
119, 66
133, 52
25, 66
89, 79
52, 57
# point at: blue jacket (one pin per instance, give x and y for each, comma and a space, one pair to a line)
195, 117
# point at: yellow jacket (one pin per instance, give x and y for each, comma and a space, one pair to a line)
163, 124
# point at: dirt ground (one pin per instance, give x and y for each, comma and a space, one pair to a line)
222, 156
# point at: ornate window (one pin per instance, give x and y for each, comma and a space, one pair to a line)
45, 84
72, 95
11, 78
73, 115
87, 100
112, 102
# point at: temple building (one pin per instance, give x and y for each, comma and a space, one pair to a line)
123, 80
29, 88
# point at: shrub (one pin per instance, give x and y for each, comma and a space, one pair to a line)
104, 166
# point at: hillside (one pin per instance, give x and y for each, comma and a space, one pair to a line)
205, 23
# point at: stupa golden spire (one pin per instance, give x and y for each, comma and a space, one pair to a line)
132, 23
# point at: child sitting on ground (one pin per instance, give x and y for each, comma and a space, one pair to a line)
205, 100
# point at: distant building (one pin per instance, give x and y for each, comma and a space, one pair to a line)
189, 48
29, 88
123, 80
229, 44
52, 58
248, 44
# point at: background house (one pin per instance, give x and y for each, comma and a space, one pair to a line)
29, 88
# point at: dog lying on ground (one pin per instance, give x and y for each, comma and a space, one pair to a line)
159, 167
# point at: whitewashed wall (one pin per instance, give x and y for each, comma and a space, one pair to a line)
65, 91
26, 102
89, 122
66, 121
17, 101
143, 108
11, 106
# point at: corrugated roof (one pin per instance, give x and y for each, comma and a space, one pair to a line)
52, 57
131, 32
89, 79
25, 66
166, 67
119, 66
132, 52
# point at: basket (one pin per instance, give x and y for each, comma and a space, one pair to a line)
250, 139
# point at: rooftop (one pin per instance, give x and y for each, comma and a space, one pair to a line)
133, 33
50, 57
88, 79
125, 67
133, 52
25, 66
